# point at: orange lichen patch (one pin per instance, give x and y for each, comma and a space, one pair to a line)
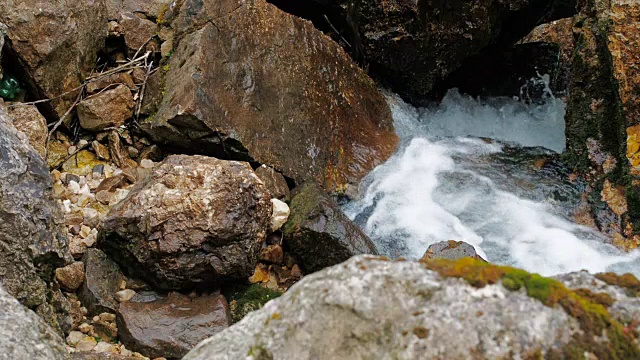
633, 148
626, 243
627, 281
615, 197
594, 319
260, 275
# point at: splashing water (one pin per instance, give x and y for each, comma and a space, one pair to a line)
441, 185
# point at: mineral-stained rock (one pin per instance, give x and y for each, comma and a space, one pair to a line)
248, 81
193, 220
29, 120
150, 8
603, 108
371, 308
102, 281
106, 109
274, 181
451, 250
319, 233
56, 42
138, 31
71, 276
32, 230
171, 325
24, 335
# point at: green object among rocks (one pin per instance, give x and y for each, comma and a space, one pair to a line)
9, 88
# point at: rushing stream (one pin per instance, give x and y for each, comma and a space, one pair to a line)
507, 196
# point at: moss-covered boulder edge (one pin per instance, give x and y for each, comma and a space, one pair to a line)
594, 319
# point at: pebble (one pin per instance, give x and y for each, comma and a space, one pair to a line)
70, 177
85, 231
71, 276
87, 343
109, 317
279, 215
74, 187
85, 328
72, 149
125, 295
56, 175
147, 163
67, 205
82, 143
98, 171
74, 337
105, 347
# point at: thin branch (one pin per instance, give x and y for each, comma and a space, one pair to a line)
144, 85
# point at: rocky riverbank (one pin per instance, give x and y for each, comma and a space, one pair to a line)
168, 167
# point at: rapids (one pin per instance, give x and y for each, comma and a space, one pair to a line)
510, 196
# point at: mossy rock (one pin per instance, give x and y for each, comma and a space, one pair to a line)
594, 319
244, 299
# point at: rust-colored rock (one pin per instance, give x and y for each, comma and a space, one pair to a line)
272, 254
29, 120
274, 181
139, 32
71, 276
106, 109
57, 42
247, 80
171, 326
194, 220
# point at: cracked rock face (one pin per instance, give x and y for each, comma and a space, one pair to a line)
194, 220
24, 335
32, 230
224, 93
367, 308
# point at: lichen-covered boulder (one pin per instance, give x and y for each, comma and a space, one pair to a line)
56, 42
319, 233
193, 220
248, 81
24, 335
603, 114
373, 308
32, 230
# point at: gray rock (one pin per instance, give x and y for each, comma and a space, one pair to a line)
319, 233
102, 280
24, 335
32, 230
171, 325
370, 308
451, 250
194, 220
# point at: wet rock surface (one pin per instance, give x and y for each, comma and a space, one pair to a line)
31, 230
319, 233
102, 281
171, 325
369, 306
24, 335
451, 250
194, 220
223, 95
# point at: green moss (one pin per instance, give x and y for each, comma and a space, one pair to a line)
594, 319
246, 298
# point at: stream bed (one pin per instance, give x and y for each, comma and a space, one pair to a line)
487, 173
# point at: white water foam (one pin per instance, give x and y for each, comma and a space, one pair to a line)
441, 186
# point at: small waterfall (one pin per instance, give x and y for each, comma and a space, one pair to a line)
448, 181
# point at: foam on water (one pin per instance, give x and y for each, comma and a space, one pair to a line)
442, 186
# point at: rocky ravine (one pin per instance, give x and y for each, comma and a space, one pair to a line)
116, 239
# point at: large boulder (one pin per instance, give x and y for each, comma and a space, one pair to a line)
194, 220
56, 43
370, 308
248, 81
603, 114
412, 45
24, 335
172, 325
32, 231
319, 233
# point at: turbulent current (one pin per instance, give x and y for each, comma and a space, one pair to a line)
508, 196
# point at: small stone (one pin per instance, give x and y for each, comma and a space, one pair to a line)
91, 217
102, 152
85, 328
75, 229
82, 143
74, 187
279, 215
105, 316
74, 218
260, 275
90, 240
123, 284
71, 276
67, 205
146, 163
105, 347
86, 344
296, 272
74, 337
133, 152
107, 109
152, 152
56, 175
130, 174
85, 231
72, 149
125, 295
96, 318
98, 171
272, 254
105, 197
